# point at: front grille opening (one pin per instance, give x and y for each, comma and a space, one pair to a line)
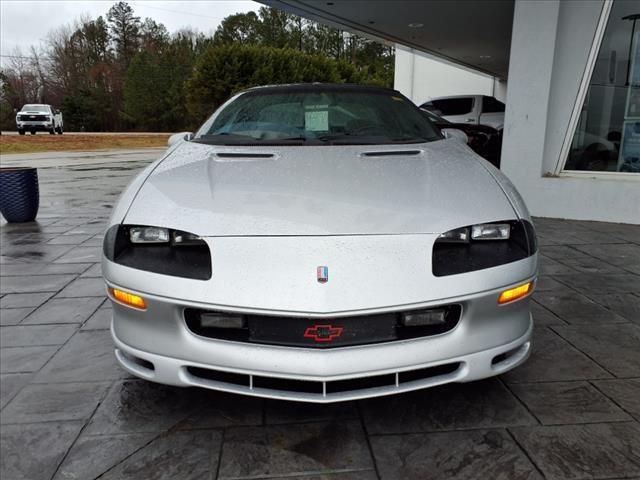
505, 356
429, 372
315, 387
296, 331
141, 362
288, 385
361, 383
220, 376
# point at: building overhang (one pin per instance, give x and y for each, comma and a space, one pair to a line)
472, 33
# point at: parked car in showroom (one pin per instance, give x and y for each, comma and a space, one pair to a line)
319, 243
472, 109
39, 118
484, 140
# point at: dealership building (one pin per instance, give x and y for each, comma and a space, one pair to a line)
568, 71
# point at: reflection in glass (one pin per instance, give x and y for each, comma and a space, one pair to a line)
607, 137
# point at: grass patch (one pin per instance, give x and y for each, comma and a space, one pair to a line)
43, 142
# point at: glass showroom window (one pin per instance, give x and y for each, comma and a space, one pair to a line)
607, 137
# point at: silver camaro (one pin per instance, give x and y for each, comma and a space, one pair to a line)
319, 243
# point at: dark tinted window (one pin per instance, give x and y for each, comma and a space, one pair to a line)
491, 105
454, 106
438, 120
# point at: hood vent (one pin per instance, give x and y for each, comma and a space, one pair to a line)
244, 155
391, 153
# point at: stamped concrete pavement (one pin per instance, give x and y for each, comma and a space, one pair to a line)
69, 412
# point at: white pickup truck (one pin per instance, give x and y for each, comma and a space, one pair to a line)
39, 118
473, 109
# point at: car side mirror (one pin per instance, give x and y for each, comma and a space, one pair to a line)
456, 134
179, 137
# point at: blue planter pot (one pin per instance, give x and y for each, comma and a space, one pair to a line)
19, 194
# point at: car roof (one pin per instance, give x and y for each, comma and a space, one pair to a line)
321, 86
457, 96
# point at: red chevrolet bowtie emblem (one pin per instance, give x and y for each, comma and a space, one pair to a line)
323, 333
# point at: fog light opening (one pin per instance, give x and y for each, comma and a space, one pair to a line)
127, 299
515, 293
221, 320
422, 318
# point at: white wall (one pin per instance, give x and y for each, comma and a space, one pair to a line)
550, 45
420, 77
551, 42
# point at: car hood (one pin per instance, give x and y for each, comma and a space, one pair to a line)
327, 190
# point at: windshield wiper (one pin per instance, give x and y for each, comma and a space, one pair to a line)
349, 139
238, 139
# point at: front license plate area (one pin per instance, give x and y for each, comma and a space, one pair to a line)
322, 333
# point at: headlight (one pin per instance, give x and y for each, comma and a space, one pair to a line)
491, 231
484, 231
158, 250
184, 238
163, 235
148, 235
481, 246
459, 235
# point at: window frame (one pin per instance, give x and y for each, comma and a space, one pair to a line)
449, 99
492, 100
561, 162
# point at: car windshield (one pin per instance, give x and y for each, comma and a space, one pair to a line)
316, 115
433, 117
35, 108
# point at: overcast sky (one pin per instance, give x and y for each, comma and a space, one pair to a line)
25, 22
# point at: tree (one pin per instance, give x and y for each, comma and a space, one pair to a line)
86, 74
154, 36
7, 101
119, 72
241, 28
154, 89
145, 92
275, 28
223, 70
124, 27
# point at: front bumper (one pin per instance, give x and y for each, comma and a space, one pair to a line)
276, 276
35, 126
472, 366
157, 345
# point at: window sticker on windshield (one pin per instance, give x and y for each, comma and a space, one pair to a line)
316, 120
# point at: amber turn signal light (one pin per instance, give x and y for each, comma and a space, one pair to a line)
128, 299
515, 293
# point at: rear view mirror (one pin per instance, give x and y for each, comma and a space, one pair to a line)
455, 133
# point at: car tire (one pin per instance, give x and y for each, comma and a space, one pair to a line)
20, 132
52, 131
33, 132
